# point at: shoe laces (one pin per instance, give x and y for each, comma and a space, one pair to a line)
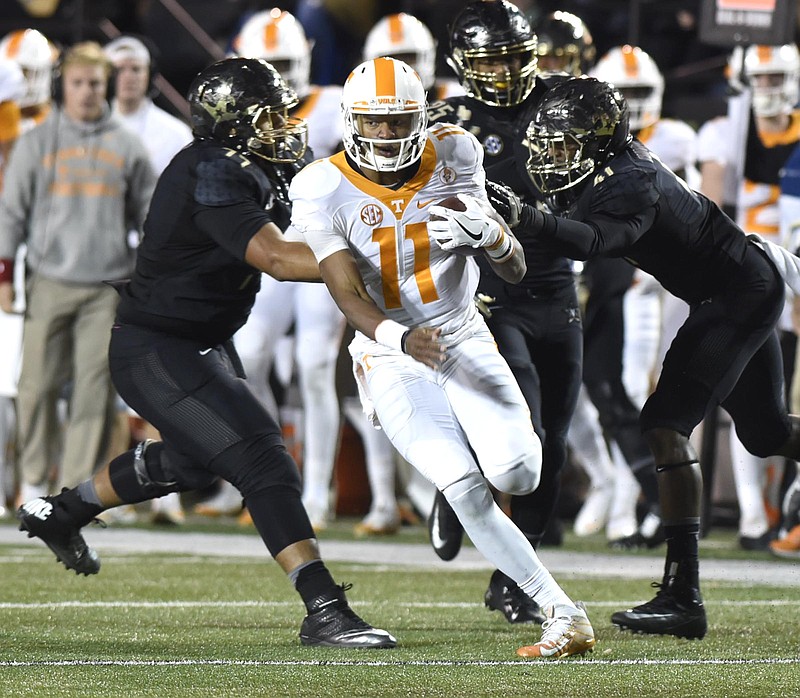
557, 632
664, 599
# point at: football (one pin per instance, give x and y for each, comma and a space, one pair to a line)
450, 202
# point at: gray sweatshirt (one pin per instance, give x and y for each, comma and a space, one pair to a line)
72, 192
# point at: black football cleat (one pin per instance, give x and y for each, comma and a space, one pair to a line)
47, 519
505, 596
667, 614
444, 529
332, 623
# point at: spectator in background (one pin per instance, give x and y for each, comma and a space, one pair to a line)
163, 135
135, 69
73, 189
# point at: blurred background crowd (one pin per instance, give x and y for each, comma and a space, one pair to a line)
157, 47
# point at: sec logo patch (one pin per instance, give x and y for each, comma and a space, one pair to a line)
372, 214
493, 145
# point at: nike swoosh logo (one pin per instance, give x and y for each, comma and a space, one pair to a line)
423, 204
472, 235
436, 536
203, 352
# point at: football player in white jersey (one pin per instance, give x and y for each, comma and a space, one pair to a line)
741, 157
278, 37
406, 38
28, 58
428, 367
36, 56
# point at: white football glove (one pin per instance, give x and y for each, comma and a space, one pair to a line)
470, 228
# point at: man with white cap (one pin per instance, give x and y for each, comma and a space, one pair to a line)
163, 134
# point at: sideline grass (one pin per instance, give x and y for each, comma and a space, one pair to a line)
176, 625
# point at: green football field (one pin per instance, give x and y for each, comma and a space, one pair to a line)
202, 612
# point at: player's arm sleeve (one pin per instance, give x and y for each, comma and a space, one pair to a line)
229, 207
622, 210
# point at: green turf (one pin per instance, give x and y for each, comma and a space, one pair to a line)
176, 625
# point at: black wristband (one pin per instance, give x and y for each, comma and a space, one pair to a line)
403, 339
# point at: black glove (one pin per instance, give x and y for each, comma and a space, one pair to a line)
505, 202
512, 209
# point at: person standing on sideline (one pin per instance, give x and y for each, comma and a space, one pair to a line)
163, 135
428, 368
215, 223
74, 187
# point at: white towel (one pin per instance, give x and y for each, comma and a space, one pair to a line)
788, 264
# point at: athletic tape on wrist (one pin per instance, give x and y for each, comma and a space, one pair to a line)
391, 334
502, 249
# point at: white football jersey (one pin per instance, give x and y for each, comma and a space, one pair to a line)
409, 277
674, 142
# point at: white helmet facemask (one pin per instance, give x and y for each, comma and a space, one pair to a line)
384, 89
635, 74
404, 37
773, 73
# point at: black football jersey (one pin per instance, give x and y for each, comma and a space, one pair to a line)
636, 208
501, 132
191, 279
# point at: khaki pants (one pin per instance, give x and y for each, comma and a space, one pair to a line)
65, 338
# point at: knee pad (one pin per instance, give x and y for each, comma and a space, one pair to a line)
136, 475
520, 477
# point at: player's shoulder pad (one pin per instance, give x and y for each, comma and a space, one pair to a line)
456, 146
315, 181
622, 188
225, 177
